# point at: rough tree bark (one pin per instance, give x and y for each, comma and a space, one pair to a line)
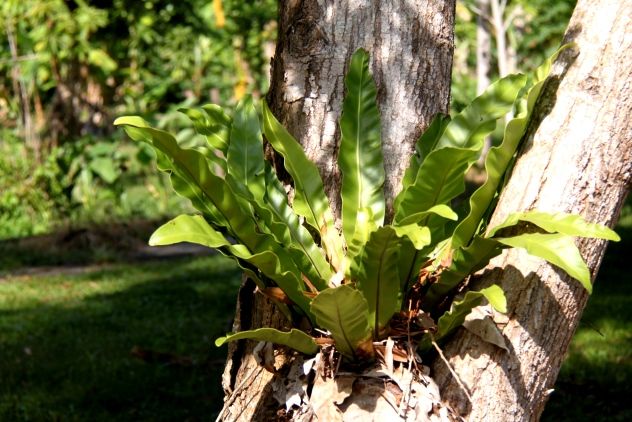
411, 47
577, 158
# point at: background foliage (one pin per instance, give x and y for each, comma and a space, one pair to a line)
70, 67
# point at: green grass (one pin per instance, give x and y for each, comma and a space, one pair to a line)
65, 342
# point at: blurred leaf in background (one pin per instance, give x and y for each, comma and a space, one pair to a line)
73, 66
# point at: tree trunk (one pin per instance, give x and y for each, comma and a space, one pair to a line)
577, 159
483, 61
411, 47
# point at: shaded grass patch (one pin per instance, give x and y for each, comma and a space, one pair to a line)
594, 381
66, 342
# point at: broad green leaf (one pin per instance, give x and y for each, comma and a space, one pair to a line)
557, 249
568, 224
363, 230
424, 145
207, 188
409, 263
244, 156
419, 236
310, 200
345, 313
195, 195
301, 246
465, 261
460, 309
273, 263
212, 123
253, 178
188, 228
500, 157
136, 128
440, 177
376, 269
441, 210
439, 180
296, 339
193, 168
376, 272
360, 156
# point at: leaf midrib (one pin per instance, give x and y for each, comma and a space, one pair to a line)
357, 149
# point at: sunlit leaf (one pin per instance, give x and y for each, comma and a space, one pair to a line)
360, 156
440, 177
460, 309
310, 200
345, 313
500, 157
557, 249
273, 263
296, 339
568, 224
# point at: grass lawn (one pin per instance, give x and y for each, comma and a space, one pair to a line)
594, 382
66, 342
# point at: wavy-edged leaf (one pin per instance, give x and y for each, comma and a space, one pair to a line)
193, 168
439, 180
424, 145
460, 309
440, 177
377, 269
273, 263
441, 210
419, 236
244, 156
188, 228
568, 224
363, 231
465, 261
208, 189
296, 339
310, 200
557, 249
300, 244
212, 123
360, 156
500, 157
345, 313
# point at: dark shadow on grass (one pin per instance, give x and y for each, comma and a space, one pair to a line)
73, 362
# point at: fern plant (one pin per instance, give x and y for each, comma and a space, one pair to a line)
354, 287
